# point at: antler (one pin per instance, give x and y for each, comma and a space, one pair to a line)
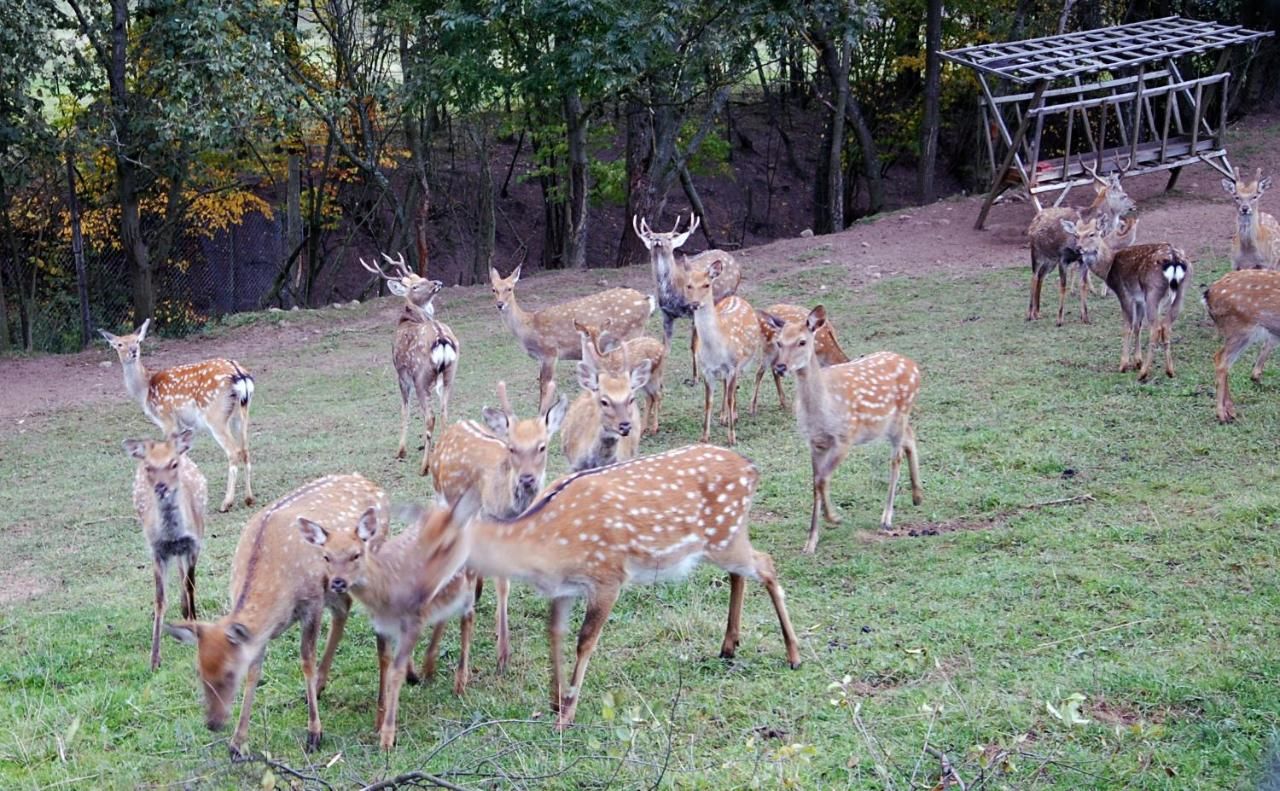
1093, 172
676, 227
1123, 169
375, 269
697, 220
398, 263
644, 226
503, 402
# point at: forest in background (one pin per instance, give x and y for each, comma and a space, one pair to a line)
464, 134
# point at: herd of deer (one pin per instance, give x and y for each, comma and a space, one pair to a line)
618, 517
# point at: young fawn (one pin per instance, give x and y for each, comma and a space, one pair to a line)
170, 497
662, 259
1147, 279
729, 340
548, 335
846, 405
825, 346
507, 464
274, 584
1256, 244
407, 583
608, 349
1245, 307
213, 395
603, 424
641, 521
1052, 246
424, 352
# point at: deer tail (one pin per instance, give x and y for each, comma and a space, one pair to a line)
242, 385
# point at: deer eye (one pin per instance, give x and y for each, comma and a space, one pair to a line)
173, 465
542, 448
356, 556
327, 559
604, 402
511, 449
803, 342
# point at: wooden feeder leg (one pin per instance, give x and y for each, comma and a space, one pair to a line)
1037, 99
1173, 178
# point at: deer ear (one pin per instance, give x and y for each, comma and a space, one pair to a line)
1229, 186
773, 321
137, 448
110, 338
397, 288
515, 274
1264, 185
640, 374
238, 634
680, 240
715, 268
497, 421
555, 415
187, 632
494, 277
1069, 227
312, 532
816, 318
367, 527
142, 331
182, 441
587, 376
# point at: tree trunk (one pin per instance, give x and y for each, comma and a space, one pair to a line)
639, 147
932, 98
11, 240
828, 206
575, 238
293, 220
486, 230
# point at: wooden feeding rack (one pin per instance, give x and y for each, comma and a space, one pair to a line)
1112, 98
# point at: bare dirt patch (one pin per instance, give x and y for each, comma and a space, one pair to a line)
21, 583
932, 529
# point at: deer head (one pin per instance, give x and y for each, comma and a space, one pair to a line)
695, 283
403, 283
222, 656
794, 339
1090, 240
504, 288
667, 243
128, 347
160, 461
614, 390
1247, 193
526, 442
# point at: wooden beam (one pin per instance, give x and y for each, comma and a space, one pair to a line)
1010, 155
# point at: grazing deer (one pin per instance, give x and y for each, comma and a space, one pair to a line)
548, 335
274, 583
846, 405
603, 424
407, 583
729, 340
213, 395
507, 464
1051, 246
1245, 306
1147, 279
641, 521
662, 259
606, 348
1256, 244
825, 346
170, 497
424, 352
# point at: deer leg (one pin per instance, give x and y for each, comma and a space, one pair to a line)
755, 392
546, 375
655, 403
1166, 339
430, 655
503, 589
157, 623
766, 573
384, 669
310, 628
913, 463
557, 627
1062, 292
732, 632
1232, 347
463, 674
236, 745
895, 469
428, 425
782, 397
693, 351
1037, 280
188, 571
1268, 345
1128, 334
731, 407
1153, 336
706, 411
231, 485
404, 654
598, 609
445, 390
405, 387
338, 613
244, 456
1084, 295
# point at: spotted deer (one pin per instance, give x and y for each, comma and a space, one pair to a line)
506, 461
170, 497
548, 335
605, 347
649, 519
1051, 246
846, 405
213, 395
1147, 279
424, 351
729, 340
276, 582
1256, 244
1245, 307
825, 346
407, 582
603, 424
662, 259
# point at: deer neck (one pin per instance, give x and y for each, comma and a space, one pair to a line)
137, 380
707, 319
662, 265
813, 396
1249, 226
1102, 267
519, 321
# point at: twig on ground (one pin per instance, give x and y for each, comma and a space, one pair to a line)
1079, 498
414, 778
949, 772
1078, 635
280, 766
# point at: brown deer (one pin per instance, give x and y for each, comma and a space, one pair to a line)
825, 346
274, 584
1256, 244
424, 352
1245, 307
608, 349
1147, 279
1051, 246
548, 335
507, 463
846, 405
729, 340
603, 424
170, 497
407, 583
640, 521
213, 395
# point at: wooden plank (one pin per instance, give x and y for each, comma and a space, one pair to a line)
1117, 98
1009, 158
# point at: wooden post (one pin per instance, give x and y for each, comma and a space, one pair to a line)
1037, 100
77, 251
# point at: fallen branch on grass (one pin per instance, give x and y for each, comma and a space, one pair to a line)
416, 779
949, 772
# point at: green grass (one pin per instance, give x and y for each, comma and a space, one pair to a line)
1117, 544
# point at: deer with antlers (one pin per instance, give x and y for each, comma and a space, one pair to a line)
826, 348
1051, 246
274, 584
646, 520
548, 335
662, 259
729, 340
610, 351
1245, 307
170, 497
846, 405
213, 395
506, 461
1147, 279
424, 351
1256, 244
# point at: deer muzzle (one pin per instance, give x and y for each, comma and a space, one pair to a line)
338, 585
780, 369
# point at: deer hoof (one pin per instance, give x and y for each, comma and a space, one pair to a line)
250, 500
460, 684
387, 740
313, 741
222, 509
916, 498
237, 752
